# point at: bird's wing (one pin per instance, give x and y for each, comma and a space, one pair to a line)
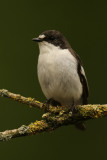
82, 77
83, 80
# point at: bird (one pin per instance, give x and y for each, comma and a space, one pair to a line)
60, 71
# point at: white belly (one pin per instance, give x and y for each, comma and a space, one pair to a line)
58, 77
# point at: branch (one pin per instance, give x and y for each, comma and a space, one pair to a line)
17, 97
53, 118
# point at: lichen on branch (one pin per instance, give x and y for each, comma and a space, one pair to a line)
53, 117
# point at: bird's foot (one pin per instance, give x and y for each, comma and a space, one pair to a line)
73, 109
52, 102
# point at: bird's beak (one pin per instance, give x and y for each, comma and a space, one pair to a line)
37, 39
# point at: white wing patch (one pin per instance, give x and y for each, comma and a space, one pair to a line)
82, 71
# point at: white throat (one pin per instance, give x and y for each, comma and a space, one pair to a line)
46, 47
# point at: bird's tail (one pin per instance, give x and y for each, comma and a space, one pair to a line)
80, 125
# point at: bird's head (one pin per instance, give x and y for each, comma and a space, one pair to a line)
52, 37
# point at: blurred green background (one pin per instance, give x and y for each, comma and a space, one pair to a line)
84, 24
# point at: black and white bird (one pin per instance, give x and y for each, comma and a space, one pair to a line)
60, 70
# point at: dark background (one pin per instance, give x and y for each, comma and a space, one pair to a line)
84, 23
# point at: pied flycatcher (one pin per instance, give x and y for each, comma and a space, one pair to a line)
60, 70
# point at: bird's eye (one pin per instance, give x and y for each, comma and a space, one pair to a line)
52, 37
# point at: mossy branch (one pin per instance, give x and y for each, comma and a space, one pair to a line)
53, 118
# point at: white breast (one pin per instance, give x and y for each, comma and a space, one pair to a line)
57, 73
